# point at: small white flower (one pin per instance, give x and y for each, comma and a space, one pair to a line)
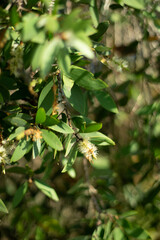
88, 149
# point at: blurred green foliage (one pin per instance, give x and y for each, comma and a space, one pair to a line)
79, 81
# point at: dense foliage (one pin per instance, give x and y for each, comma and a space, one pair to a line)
79, 119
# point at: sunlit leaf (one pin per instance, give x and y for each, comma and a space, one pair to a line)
48, 191
51, 139
93, 127
3, 207
77, 99
85, 79
94, 12
138, 4
64, 60
18, 131
50, 121
71, 158
36, 148
82, 47
40, 116
48, 55
22, 148
19, 122
118, 234
62, 127
46, 98
106, 101
98, 138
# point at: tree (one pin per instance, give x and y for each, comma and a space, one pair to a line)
54, 94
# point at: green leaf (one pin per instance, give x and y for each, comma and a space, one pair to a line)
81, 46
19, 122
118, 234
46, 98
93, 127
108, 229
36, 148
40, 116
50, 121
3, 207
51, 139
71, 158
69, 142
98, 138
64, 60
17, 132
29, 29
14, 16
94, 12
85, 79
106, 101
77, 99
138, 4
48, 55
101, 29
46, 2
138, 233
48, 191
62, 127
79, 122
36, 59
134, 230
50, 22
20, 194
68, 84
22, 148
71, 172
25, 116
129, 214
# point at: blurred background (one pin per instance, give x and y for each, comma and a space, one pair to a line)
126, 177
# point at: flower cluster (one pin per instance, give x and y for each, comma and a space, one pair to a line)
34, 134
88, 149
16, 62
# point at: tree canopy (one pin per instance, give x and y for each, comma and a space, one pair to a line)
79, 119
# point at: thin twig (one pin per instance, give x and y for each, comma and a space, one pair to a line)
62, 99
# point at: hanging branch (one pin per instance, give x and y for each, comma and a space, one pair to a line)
91, 189
62, 99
